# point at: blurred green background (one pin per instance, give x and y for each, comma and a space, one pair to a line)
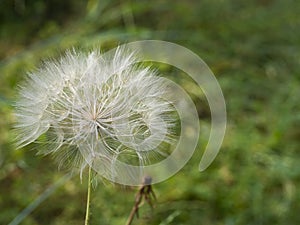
253, 47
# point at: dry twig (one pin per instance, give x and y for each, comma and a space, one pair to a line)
145, 192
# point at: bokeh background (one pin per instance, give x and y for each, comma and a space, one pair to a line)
253, 47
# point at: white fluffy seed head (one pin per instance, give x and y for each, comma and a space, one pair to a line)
94, 109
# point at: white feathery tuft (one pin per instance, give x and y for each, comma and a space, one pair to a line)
95, 109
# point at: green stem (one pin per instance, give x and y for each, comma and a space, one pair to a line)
87, 212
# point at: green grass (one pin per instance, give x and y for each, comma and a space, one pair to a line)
253, 47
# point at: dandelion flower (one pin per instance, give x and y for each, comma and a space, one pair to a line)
91, 108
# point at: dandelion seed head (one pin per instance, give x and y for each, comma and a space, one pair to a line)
95, 109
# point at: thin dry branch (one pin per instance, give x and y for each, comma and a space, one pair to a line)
145, 192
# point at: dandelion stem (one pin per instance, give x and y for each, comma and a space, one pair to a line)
87, 212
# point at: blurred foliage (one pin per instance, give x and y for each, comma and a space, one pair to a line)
253, 47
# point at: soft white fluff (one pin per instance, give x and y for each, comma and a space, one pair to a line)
90, 107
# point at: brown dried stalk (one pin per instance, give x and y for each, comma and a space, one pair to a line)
145, 192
